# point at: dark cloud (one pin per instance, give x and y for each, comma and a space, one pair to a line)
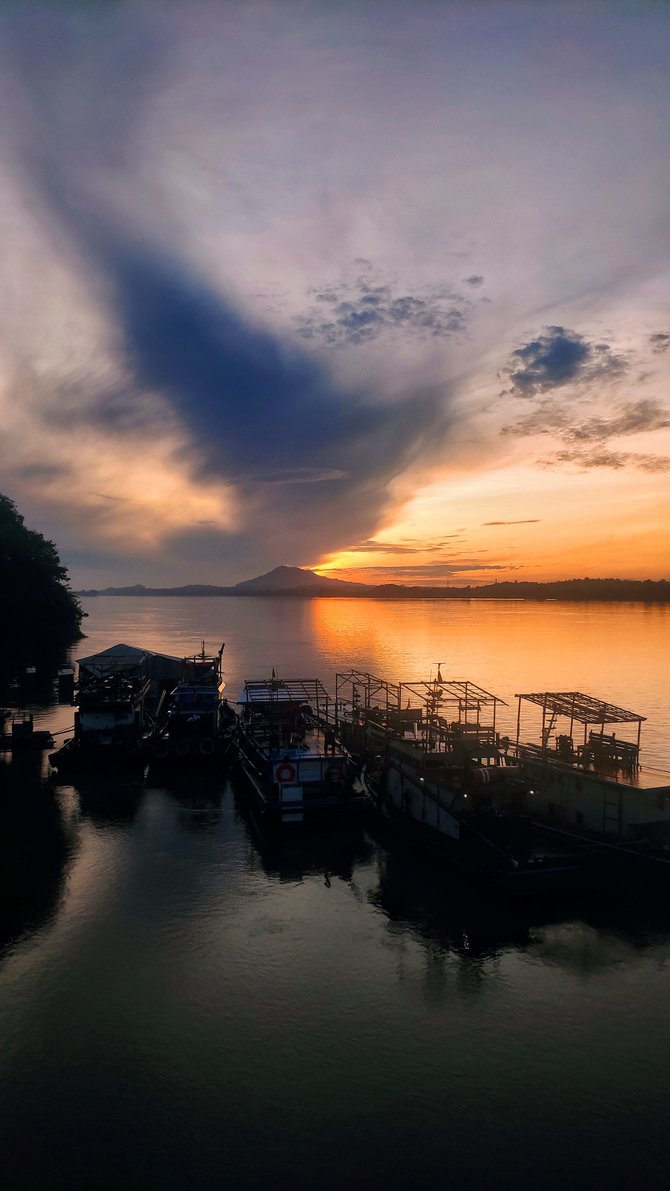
255, 409
559, 357
361, 308
312, 462
528, 521
475, 280
660, 342
636, 417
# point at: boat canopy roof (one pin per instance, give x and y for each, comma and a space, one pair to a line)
360, 689
466, 694
131, 659
284, 691
585, 709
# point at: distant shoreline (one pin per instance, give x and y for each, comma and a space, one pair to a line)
646, 591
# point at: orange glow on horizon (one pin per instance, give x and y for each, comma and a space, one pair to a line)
520, 523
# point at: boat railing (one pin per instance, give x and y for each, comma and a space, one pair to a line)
601, 755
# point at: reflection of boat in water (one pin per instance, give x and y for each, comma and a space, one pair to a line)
295, 768
595, 791
198, 722
446, 911
448, 915
111, 799
292, 856
21, 736
444, 782
37, 846
108, 724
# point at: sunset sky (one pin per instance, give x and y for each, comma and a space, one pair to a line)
378, 287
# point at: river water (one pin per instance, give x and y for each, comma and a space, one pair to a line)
183, 1005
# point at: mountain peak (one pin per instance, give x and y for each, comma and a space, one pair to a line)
285, 578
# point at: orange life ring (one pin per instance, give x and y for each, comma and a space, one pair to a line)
285, 772
334, 772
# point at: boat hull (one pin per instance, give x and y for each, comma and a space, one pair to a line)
77, 756
293, 807
501, 851
544, 877
201, 751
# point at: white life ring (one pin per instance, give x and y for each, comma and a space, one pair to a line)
285, 772
207, 746
182, 749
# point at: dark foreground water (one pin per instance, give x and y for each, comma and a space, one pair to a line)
185, 1006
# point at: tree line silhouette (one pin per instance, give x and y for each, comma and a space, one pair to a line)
39, 614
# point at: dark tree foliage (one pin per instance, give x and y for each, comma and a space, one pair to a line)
39, 614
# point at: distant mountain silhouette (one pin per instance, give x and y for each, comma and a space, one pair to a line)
294, 581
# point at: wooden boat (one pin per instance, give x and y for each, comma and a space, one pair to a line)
195, 722
294, 768
443, 782
109, 723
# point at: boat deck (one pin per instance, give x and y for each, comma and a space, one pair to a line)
314, 744
646, 777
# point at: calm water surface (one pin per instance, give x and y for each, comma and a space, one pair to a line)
184, 1006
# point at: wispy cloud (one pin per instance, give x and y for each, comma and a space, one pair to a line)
297, 475
634, 417
438, 570
614, 460
526, 521
419, 546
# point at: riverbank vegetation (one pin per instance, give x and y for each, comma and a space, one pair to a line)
40, 615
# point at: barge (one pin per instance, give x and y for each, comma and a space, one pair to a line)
294, 768
586, 783
440, 778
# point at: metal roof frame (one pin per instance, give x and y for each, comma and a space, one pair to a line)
585, 709
467, 695
368, 691
285, 690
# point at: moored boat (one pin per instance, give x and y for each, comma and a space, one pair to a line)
194, 723
594, 789
22, 735
109, 723
439, 776
294, 768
